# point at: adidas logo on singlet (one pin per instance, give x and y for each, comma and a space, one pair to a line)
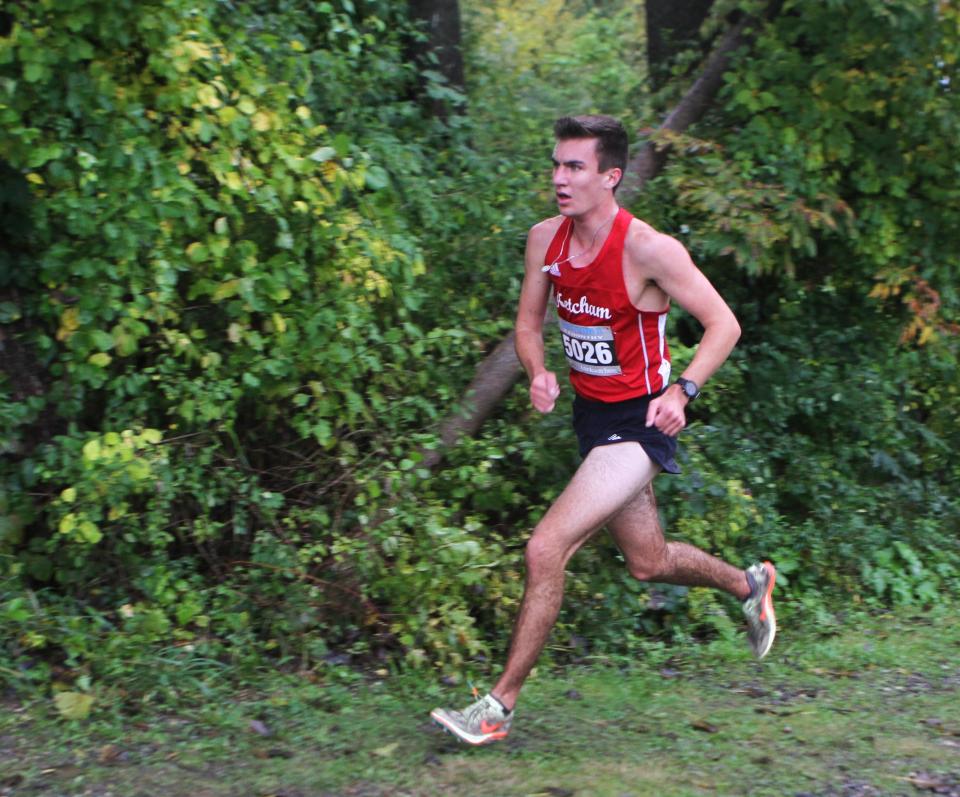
614, 437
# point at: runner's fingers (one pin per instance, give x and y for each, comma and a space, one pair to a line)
542, 400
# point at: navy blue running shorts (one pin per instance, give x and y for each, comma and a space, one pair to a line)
601, 423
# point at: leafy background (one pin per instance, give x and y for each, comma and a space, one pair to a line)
246, 269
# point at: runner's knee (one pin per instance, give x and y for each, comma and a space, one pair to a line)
646, 569
543, 554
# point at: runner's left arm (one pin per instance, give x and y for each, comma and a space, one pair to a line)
666, 261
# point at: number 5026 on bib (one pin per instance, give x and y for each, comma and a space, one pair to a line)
590, 350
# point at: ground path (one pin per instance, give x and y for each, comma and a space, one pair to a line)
870, 708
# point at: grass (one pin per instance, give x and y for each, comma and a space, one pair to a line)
870, 710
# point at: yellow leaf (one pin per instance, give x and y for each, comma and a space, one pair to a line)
197, 50
247, 106
183, 168
68, 523
69, 495
34, 178
261, 121
117, 512
91, 451
73, 705
225, 290
69, 322
303, 112
101, 359
207, 95
234, 181
387, 750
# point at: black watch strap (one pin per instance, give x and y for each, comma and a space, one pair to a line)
690, 388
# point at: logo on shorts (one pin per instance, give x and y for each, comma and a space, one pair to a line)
613, 438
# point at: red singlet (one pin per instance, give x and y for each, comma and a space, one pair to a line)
615, 351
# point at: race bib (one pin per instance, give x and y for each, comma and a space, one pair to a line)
590, 350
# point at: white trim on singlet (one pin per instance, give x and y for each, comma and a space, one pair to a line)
664, 368
646, 358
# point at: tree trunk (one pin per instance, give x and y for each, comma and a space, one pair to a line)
653, 155
441, 23
672, 26
496, 374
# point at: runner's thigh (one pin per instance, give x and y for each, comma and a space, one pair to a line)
637, 532
606, 481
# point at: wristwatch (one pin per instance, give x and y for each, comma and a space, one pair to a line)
689, 388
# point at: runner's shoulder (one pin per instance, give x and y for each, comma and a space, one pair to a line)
644, 243
540, 236
545, 229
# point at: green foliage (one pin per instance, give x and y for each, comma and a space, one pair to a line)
252, 273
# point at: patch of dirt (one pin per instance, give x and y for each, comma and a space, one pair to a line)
848, 788
362, 790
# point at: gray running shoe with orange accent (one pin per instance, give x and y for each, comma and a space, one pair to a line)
758, 608
479, 723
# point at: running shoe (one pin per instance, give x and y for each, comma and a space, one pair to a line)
479, 723
758, 608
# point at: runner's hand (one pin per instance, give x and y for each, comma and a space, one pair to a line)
544, 390
666, 412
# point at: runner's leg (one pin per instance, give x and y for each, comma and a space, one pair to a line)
636, 530
608, 479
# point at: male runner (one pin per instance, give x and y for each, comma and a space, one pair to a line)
612, 277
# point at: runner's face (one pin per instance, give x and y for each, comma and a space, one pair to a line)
578, 183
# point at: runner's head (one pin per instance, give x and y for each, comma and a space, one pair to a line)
609, 134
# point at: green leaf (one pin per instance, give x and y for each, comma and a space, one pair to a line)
9, 312
322, 154
89, 531
102, 340
34, 72
377, 178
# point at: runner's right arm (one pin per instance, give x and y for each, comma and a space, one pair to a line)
534, 294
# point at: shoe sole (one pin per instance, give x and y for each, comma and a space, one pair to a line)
767, 609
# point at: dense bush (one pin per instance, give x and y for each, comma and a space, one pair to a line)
245, 272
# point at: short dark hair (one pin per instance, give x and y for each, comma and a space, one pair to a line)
612, 143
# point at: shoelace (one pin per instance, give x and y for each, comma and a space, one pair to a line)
477, 709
